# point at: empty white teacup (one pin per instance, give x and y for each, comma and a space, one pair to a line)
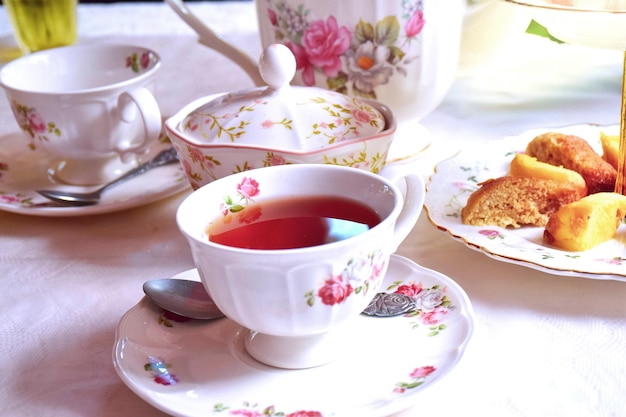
90, 106
273, 254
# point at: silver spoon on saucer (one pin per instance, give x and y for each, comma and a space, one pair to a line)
190, 299
183, 297
69, 198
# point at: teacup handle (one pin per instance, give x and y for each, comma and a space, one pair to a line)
413, 192
139, 100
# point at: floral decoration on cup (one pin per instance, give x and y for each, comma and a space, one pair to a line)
356, 278
239, 203
357, 59
33, 123
138, 62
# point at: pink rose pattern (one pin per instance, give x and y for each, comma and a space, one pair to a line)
358, 276
245, 190
36, 127
32, 123
206, 163
490, 234
229, 125
432, 305
253, 410
417, 377
346, 119
137, 62
353, 61
273, 159
324, 42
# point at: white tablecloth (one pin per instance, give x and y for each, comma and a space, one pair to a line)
544, 345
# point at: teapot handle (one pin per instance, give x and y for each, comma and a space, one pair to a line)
214, 41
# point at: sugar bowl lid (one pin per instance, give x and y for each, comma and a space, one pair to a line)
281, 116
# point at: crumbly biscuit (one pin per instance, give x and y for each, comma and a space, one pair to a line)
515, 201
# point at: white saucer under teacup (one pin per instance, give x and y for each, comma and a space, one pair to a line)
22, 171
191, 368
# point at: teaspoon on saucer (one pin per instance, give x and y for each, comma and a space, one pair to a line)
190, 299
183, 297
68, 198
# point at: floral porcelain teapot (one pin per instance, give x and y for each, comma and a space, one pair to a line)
279, 124
403, 53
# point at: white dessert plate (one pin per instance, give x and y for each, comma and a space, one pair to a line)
196, 368
593, 23
455, 179
22, 171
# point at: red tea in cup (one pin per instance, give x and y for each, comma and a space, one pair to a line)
294, 222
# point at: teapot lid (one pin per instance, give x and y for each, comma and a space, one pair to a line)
282, 116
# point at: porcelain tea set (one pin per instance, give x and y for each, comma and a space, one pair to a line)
403, 54
315, 126
307, 142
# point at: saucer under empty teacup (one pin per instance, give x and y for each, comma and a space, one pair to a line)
91, 106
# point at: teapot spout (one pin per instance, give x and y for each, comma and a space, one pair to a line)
216, 42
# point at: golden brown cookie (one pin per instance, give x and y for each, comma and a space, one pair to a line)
575, 153
515, 201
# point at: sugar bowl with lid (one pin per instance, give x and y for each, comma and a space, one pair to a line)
216, 136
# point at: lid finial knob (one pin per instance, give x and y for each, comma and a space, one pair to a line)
277, 66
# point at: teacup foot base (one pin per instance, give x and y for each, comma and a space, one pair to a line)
88, 171
295, 352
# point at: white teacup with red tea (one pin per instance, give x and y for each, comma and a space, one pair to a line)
293, 253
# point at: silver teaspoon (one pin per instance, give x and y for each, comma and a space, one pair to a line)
68, 198
183, 297
190, 299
